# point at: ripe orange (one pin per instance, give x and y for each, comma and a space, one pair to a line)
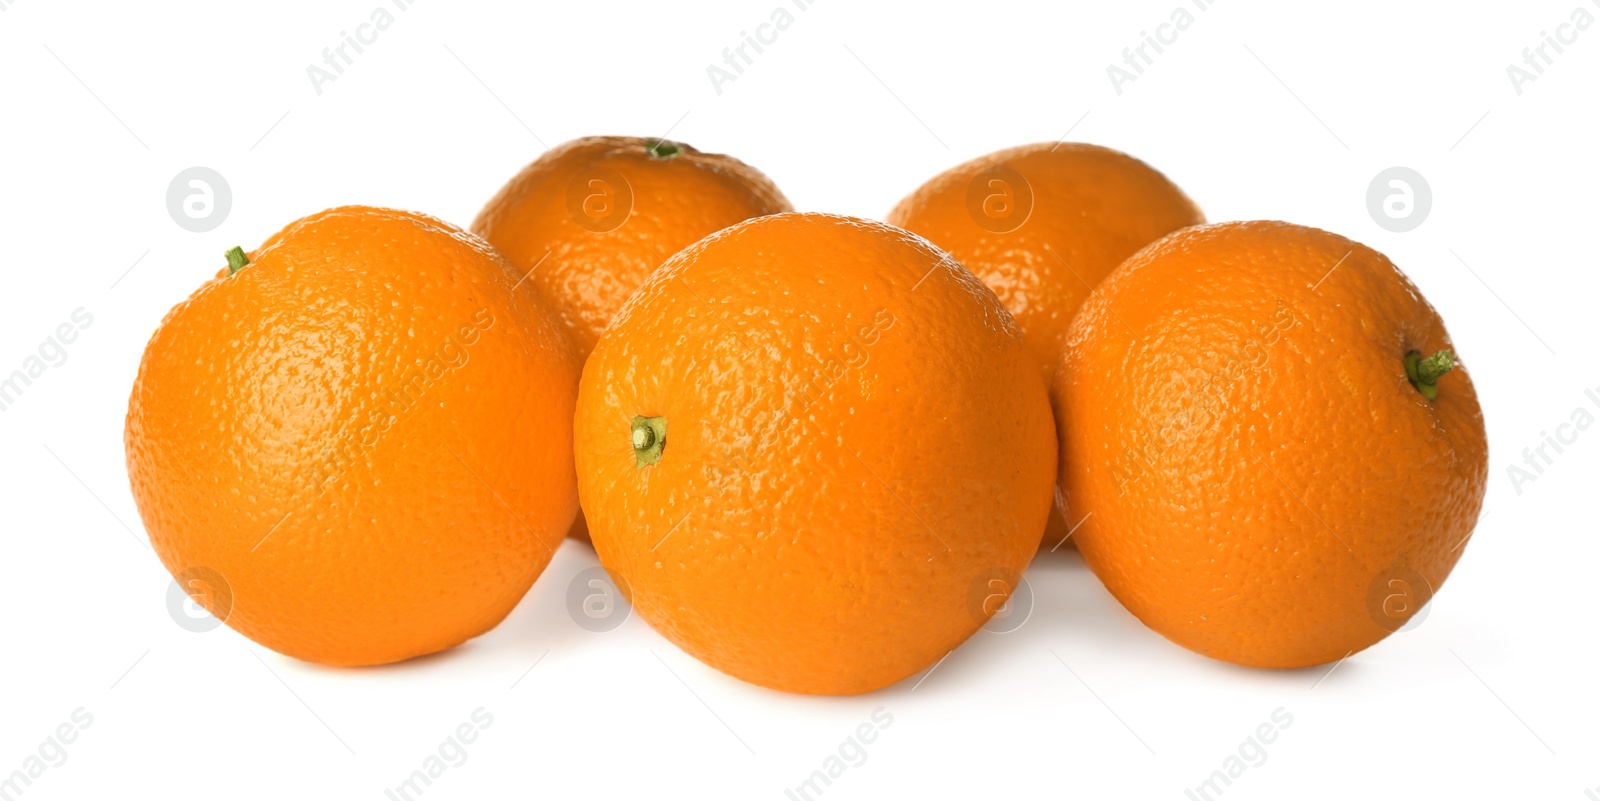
1041, 225
1271, 472
815, 449
359, 442
589, 220
592, 218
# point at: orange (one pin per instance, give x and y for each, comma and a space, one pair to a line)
592, 218
816, 451
589, 220
357, 448
1041, 225
1260, 422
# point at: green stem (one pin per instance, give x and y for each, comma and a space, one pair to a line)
649, 438
236, 260
662, 149
1425, 373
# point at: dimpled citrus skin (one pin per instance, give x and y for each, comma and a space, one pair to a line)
1237, 425
855, 437
365, 432
1092, 207
588, 274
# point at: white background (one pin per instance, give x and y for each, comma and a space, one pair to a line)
1259, 110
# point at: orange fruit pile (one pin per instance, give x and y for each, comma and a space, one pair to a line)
817, 452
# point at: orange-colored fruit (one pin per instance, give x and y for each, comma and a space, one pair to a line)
1041, 225
816, 450
357, 448
1271, 472
589, 220
592, 218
